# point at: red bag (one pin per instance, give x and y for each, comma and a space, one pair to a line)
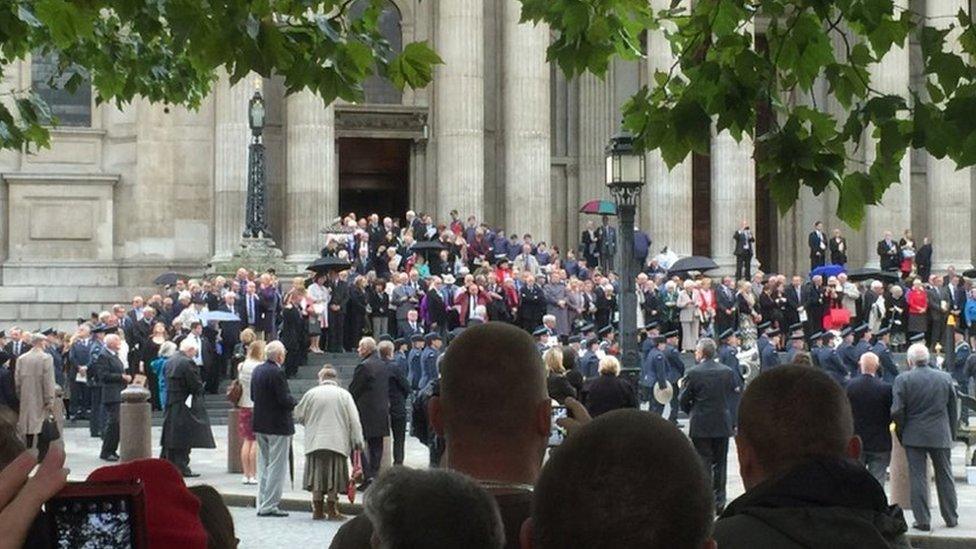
837, 319
357, 474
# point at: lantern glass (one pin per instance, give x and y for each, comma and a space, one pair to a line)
256, 112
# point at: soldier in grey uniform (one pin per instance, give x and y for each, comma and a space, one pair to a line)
924, 411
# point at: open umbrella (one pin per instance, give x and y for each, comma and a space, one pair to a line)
857, 275
599, 207
971, 273
693, 263
424, 247
219, 316
827, 271
168, 279
329, 264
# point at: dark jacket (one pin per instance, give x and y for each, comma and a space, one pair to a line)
607, 392
370, 387
273, 402
399, 388
185, 427
110, 370
705, 397
871, 407
826, 503
559, 387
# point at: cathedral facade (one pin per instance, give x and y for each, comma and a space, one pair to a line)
125, 193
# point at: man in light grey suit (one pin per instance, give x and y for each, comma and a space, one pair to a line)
924, 411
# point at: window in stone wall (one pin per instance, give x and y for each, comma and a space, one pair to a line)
49, 81
377, 88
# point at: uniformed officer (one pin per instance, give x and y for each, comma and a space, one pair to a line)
768, 356
428, 358
762, 339
650, 332
797, 345
607, 336
962, 352
727, 354
888, 370
845, 350
96, 421
415, 370
829, 360
654, 371
590, 363
862, 336
675, 371
541, 339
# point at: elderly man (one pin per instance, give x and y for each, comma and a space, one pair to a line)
556, 302
889, 254
370, 389
186, 424
112, 378
273, 428
34, 381
870, 399
924, 411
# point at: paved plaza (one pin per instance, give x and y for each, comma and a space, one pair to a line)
257, 532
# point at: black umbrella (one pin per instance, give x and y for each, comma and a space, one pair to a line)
857, 275
693, 263
971, 273
168, 279
329, 264
424, 247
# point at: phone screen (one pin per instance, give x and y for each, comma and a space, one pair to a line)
556, 433
105, 521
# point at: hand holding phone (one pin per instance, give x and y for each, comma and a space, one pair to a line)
557, 433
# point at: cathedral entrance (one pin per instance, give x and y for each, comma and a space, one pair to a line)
374, 176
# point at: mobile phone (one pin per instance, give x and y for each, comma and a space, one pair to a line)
99, 514
556, 433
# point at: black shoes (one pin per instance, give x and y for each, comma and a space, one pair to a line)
110, 457
273, 514
922, 527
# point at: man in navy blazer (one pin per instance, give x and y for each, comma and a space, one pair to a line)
870, 398
273, 428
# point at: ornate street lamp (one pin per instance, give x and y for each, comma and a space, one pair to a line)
256, 219
625, 179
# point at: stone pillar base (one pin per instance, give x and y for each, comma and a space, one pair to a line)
901, 493
234, 442
135, 424
256, 254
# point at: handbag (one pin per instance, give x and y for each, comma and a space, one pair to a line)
49, 433
357, 474
234, 392
838, 318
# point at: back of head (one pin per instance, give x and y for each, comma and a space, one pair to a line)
432, 509
793, 413
215, 516
598, 490
492, 383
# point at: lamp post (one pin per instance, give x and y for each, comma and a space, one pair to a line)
625, 179
256, 219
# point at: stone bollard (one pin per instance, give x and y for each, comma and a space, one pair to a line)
901, 491
234, 442
135, 424
387, 461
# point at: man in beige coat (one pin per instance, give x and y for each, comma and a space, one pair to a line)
34, 379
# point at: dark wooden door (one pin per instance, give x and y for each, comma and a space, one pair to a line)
374, 176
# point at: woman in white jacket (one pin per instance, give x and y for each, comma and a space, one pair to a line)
332, 432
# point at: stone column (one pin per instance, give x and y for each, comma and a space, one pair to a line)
525, 92
312, 190
232, 135
733, 194
949, 189
595, 129
459, 118
666, 208
894, 213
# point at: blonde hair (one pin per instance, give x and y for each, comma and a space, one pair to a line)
553, 359
609, 365
248, 336
255, 350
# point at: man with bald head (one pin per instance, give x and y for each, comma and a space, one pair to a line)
798, 461
112, 377
870, 398
494, 412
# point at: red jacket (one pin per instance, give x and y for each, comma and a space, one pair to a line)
917, 302
461, 302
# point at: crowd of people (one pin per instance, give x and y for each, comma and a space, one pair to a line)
469, 349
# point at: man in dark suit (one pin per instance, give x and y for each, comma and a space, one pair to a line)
273, 428
743, 251
725, 305
230, 334
370, 388
399, 391
889, 255
590, 362
923, 259
410, 326
251, 310
870, 398
337, 311
96, 422
794, 301
436, 308
924, 411
938, 308
112, 376
79, 356
705, 396
817, 242
532, 304
16, 346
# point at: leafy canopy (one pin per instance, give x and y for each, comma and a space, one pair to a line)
722, 77
168, 51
